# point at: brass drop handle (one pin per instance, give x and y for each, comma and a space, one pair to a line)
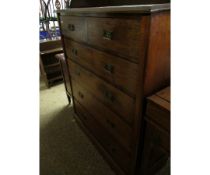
110, 123
108, 35
109, 68
80, 95
71, 27
109, 95
74, 51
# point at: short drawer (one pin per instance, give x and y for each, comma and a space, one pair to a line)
119, 155
104, 92
74, 27
114, 125
158, 114
124, 36
117, 71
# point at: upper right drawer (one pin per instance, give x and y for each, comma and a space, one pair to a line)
123, 36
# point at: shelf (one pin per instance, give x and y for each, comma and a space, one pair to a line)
52, 65
53, 70
56, 78
51, 51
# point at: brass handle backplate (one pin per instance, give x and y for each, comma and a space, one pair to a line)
71, 27
108, 35
109, 68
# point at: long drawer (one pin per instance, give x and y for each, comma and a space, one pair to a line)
114, 125
120, 155
106, 93
74, 27
119, 72
121, 35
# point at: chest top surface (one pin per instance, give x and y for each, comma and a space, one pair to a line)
161, 99
145, 8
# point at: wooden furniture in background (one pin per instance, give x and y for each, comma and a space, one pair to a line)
49, 64
116, 56
156, 151
65, 73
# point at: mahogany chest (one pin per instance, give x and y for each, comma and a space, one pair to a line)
116, 57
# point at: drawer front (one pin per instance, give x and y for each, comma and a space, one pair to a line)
160, 137
156, 150
106, 93
74, 27
159, 115
123, 36
120, 155
114, 125
117, 71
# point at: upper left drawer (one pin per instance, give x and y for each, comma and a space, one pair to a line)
74, 27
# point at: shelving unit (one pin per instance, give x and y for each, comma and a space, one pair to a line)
49, 64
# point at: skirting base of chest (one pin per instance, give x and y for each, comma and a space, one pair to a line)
103, 152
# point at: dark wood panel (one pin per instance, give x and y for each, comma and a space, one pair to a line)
117, 71
114, 125
157, 136
120, 155
97, 3
165, 94
158, 108
106, 93
157, 75
86, 3
159, 115
156, 150
107, 157
50, 45
122, 36
74, 27
161, 136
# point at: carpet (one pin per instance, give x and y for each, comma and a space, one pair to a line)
64, 148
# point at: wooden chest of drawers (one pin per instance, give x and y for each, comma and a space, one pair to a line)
116, 57
156, 151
